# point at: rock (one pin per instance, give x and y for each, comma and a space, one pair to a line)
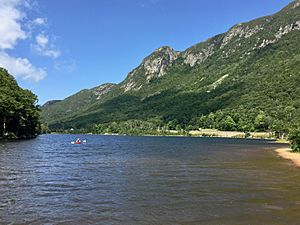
297, 4
280, 33
240, 32
214, 85
131, 85
154, 66
159, 62
196, 58
103, 89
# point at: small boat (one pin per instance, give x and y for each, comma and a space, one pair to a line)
78, 141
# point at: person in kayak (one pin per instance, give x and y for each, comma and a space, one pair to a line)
78, 141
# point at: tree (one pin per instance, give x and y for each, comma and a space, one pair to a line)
228, 123
294, 138
19, 114
172, 124
245, 125
261, 122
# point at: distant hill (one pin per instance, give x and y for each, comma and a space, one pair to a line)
47, 104
245, 79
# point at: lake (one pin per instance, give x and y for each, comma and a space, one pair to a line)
146, 180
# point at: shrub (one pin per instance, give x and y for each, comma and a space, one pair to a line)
294, 138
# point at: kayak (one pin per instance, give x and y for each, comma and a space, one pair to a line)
78, 142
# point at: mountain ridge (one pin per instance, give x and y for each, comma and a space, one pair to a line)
213, 71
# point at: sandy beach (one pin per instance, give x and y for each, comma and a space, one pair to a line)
228, 134
286, 153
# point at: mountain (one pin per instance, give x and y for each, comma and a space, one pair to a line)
47, 104
19, 115
245, 79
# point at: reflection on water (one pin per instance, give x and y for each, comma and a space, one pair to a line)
146, 180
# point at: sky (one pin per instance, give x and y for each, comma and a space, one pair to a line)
55, 48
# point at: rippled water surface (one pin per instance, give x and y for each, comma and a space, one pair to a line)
146, 180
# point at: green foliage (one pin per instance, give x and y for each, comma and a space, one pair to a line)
135, 127
294, 138
228, 124
261, 122
19, 115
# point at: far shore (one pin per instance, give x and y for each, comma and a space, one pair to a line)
230, 134
194, 133
286, 153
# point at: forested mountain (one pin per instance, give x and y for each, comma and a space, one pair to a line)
19, 115
245, 79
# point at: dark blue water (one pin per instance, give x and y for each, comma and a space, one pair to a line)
146, 180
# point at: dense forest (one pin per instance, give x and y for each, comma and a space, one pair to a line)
19, 114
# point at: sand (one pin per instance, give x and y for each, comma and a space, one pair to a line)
287, 154
230, 134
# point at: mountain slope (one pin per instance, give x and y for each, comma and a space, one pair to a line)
252, 70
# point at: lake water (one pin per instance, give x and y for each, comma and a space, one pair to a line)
146, 180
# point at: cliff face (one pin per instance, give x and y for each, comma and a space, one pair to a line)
247, 66
154, 66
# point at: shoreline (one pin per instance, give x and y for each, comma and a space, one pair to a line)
273, 139
287, 154
192, 133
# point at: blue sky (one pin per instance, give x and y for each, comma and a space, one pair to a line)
58, 47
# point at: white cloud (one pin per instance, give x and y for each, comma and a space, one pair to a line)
51, 53
11, 32
10, 25
43, 47
39, 21
35, 24
21, 67
16, 25
42, 40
